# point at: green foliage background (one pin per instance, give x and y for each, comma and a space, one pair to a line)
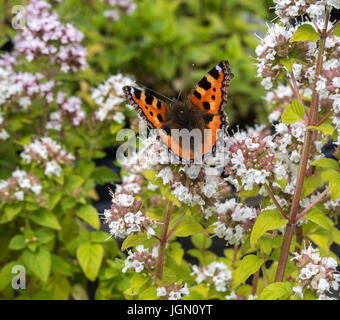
157, 45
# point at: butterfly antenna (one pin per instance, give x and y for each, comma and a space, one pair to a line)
185, 81
155, 92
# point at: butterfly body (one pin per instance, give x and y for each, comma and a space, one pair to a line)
202, 113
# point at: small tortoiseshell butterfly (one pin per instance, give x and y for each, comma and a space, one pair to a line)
202, 110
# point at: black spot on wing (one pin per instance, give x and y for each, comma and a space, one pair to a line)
159, 105
214, 73
208, 117
148, 98
151, 113
160, 118
197, 94
206, 105
167, 130
137, 93
205, 84
213, 97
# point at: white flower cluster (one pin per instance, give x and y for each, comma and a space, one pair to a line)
108, 96
44, 34
47, 153
288, 9
316, 273
249, 158
142, 259
234, 220
173, 292
3, 133
125, 218
19, 184
216, 272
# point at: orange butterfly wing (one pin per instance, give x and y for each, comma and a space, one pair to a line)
211, 93
151, 109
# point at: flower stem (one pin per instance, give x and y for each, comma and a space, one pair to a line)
175, 225
272, 196
324, 117
163, 240
318, 199
255, 281
314, 110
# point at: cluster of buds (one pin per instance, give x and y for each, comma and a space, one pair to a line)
124, 216
109, 96
249, 158
118, 7
216, 273
48, 154
174, 291
19, 184
316, 273
142, 259
44, 35
235, 220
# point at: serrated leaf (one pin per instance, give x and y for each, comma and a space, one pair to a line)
267, 220
276, 290
305, 32
293, 113
89, 214
39, 262
90, 257
45, 218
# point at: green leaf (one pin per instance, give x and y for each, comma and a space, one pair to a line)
149, 294
317, 216
45, 218
288, 63
60, 265
305, 32
334, 185
310, 184
44, 235
151, 176
17, 242
276, 290
187, 227
336, 30
99, 236
39, 262
6, 274
267, 220
89, 214
137, 283
10, 212
134, 240
325, 128
249, 265
72, 182
90, 258
266, 245
326, 163
201, 241
293, 113
103, 175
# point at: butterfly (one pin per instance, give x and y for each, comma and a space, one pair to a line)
202, 112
